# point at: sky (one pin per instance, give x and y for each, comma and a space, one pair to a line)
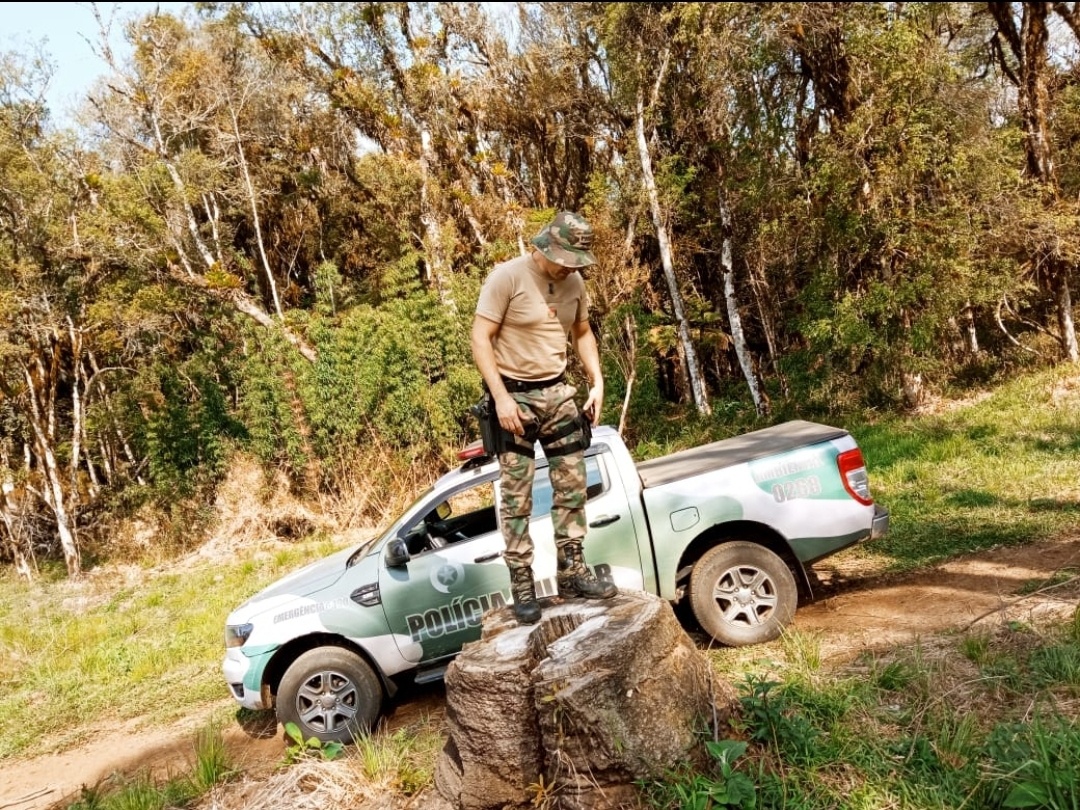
63, 30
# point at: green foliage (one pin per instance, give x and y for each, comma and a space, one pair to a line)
1034, 765
403, 757
903, 199
726, 787
772, 717
397, 373
918, 733
187, 433
297, 748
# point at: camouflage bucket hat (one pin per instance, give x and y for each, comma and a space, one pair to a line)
566, 240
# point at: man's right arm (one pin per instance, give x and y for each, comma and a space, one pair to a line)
483, 336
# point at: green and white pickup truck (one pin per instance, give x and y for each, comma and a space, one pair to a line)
729, 525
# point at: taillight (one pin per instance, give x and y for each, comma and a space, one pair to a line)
853, 474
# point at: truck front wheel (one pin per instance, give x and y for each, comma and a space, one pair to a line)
742, 593
330, 693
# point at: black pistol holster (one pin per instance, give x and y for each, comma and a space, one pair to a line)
491, 432
496, 440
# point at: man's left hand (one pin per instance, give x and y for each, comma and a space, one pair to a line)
594, 404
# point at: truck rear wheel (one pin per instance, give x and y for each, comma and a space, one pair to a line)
742, 593
330, 693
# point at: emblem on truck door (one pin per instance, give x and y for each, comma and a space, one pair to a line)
446, 576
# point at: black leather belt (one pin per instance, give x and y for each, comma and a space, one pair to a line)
518, 386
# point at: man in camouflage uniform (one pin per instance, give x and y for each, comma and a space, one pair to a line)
527, 308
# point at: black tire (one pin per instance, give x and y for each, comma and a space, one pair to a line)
331, 694
742, 593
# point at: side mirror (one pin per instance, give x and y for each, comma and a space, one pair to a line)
397, 553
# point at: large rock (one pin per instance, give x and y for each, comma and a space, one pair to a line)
597, 695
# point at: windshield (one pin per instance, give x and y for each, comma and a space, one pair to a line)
406, 516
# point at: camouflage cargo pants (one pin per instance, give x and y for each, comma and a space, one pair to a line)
555, 412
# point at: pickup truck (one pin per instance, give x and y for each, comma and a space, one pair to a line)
729, 526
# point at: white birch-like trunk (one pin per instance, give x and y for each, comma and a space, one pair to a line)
54, 488
129, 455
692, 368
250, 187
971, 337
77, 378
738, 337
437, 268
12, 520
631, 363
1065, 321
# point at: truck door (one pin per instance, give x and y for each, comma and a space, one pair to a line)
611, 547
455, 572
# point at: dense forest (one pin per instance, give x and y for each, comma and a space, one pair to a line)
267, 227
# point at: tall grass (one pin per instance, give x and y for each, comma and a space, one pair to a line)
77, 655
143, 792
931, 725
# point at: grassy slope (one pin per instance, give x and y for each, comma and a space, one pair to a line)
74, 656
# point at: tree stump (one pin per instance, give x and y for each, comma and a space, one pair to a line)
576, 708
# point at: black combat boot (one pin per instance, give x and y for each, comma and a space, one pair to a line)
526, 608
576, 579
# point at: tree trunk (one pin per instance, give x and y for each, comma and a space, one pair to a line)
1030, 47
971, 337
746, 362
1065, 319
250, 188
13, 520
53, 491
577, 707
1034, 98
630, 326
437, 266
693, 369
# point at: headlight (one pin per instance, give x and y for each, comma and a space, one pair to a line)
237, 634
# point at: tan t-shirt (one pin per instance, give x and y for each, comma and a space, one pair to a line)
535, 313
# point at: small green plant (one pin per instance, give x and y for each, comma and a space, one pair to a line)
697, 791
896, 676
299, 748
403, 757
1036, 765
212, 764
975, 647
771, 717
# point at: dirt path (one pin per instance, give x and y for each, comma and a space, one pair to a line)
852, 614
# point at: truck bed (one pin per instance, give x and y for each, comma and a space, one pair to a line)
736, 450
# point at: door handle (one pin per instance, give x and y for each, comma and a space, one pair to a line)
488, 557
604, 520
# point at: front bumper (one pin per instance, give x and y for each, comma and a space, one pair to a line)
880, 526
236, 667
